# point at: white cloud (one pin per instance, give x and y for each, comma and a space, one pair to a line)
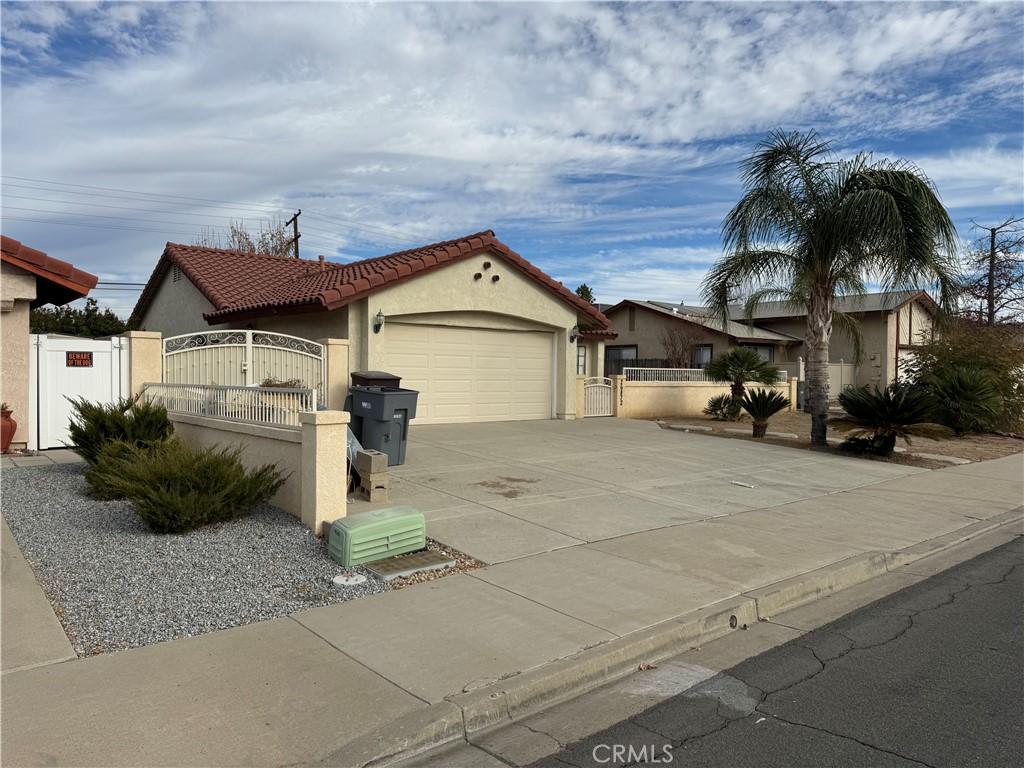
445, 118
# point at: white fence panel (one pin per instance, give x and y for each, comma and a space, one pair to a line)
663, 375
275, 406
62, 367
243, 358
597, 397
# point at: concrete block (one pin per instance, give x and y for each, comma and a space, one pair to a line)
378, 480
375, 495
370, 462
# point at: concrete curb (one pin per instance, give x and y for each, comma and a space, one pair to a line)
463, 714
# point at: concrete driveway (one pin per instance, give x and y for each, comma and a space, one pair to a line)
504, 491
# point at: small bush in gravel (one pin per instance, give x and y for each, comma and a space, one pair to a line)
133, 421
723, 408
176, 488
104, 473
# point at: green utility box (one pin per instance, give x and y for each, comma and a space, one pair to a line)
369, 536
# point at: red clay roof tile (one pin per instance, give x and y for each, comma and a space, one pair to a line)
68, 282
243, 285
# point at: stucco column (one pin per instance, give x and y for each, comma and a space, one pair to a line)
565, 377
324, 467
336, 372
581, 409
618, 403
145, 359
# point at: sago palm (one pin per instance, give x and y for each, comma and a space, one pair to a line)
877, 417
739, 366
811, 227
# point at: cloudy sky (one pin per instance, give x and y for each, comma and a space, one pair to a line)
600, 141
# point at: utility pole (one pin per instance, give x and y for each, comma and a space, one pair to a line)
990, 292
294, 221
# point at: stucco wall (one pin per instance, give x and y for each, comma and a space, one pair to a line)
648, 327
177, 308
312, 456
513, 301
644, 400
15, 364
17, 290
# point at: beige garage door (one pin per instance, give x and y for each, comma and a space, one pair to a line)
471, 374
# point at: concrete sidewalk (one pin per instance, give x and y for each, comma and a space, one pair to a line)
361, 679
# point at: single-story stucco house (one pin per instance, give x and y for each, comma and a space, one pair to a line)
482, 333
30, 279
891, 323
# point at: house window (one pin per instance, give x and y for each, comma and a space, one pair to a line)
581, 360
617, 358
632, 318
765, 351
702, 354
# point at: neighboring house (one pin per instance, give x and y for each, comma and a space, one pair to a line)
643, 325
482, 334
30, 279
891, 324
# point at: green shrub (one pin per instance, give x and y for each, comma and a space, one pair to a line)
94, 425
966, 399
176, 488
762, 404
878, 417
723, 408
103, 475
997, 351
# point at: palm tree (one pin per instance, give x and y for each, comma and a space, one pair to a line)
741, 365
811, 227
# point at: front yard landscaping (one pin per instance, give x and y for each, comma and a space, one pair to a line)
114, 584
975, 447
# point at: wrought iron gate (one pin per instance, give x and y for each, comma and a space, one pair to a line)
243, 358
597, 397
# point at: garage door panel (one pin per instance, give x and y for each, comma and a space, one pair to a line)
472, 374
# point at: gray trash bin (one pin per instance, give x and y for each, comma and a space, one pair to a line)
384, 414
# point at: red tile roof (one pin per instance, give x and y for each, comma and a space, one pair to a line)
246, 285
64, 282
222, 275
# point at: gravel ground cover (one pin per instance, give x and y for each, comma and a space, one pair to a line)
115, 585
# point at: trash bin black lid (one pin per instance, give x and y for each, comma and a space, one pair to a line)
376, 375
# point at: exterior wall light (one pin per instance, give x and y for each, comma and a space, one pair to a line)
574, 333
378, 321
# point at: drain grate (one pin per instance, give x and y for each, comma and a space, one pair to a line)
407, 565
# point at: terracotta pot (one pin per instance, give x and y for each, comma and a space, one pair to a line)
8, 427
760, 427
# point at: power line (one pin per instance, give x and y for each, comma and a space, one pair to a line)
221, 217
256, 207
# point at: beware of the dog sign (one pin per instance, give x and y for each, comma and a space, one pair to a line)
78, 360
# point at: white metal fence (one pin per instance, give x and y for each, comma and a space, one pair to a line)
242, 358
597, 396
275, 406
662, 375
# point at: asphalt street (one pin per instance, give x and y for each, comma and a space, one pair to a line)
932, 675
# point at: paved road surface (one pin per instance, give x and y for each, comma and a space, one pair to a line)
931, 675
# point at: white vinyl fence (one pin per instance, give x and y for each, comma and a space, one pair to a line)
275, 406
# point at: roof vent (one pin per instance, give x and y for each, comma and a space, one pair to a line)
176, 274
